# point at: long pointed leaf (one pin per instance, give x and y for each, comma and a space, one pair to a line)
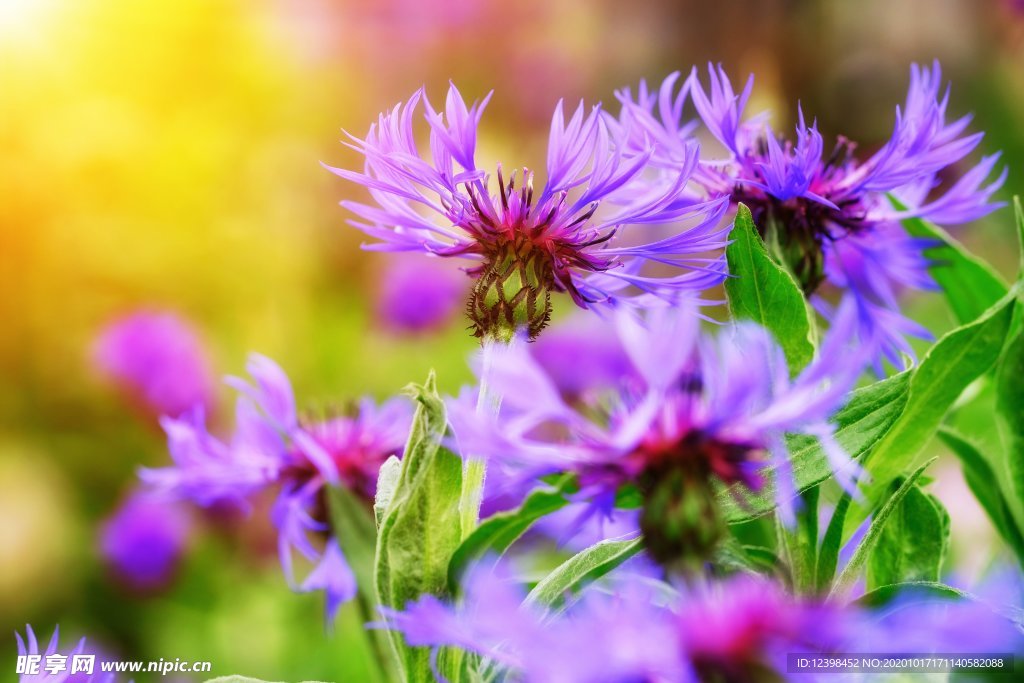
985, 486
956, 360
831, 544
970, 285
860, 556
763, 291
912, 546
587, 565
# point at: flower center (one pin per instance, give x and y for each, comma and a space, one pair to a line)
681, 520
513, 291
796, 229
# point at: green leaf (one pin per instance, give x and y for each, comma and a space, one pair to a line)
353, 526
1018, 212
912, 546
585, 566
971, 286
922, 590
800, 544
868, 414
985, 486
763, 291
355, 531
753, 559
1009, 464
860, 557
956, 360
831, 544
500, 530
420, 528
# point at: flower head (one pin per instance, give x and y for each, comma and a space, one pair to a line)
273, 448
829, 216
158, 359
588, 231
695, 409
143, 541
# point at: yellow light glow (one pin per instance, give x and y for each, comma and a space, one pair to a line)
18, 17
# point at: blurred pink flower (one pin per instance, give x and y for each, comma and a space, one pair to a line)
158, 359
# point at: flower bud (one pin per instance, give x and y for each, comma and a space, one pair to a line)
512, 293
681, 520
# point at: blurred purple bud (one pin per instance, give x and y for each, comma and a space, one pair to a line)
142, 543
418, 295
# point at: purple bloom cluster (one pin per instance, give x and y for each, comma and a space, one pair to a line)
828, 214
29, 646
740, 629
712, 407
588, 232
158, 359
273, 448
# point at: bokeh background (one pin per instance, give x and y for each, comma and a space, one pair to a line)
166, 156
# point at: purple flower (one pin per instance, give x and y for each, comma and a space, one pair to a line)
693, 409
272, 447
739, 629
143, 542
828, 216
625, 637
158, 359
61, 662
588, 232
419, 294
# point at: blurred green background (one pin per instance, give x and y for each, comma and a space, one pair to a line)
166, 154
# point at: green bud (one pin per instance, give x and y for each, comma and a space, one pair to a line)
513, 293
681, 520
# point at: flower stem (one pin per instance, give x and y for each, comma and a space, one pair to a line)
474, 470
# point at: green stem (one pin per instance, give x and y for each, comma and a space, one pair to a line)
474, 470
381, 650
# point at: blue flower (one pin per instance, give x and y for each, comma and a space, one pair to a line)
588, 232
828, 216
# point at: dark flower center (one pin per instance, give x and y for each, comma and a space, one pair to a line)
529, 250
681, 520
796, 229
